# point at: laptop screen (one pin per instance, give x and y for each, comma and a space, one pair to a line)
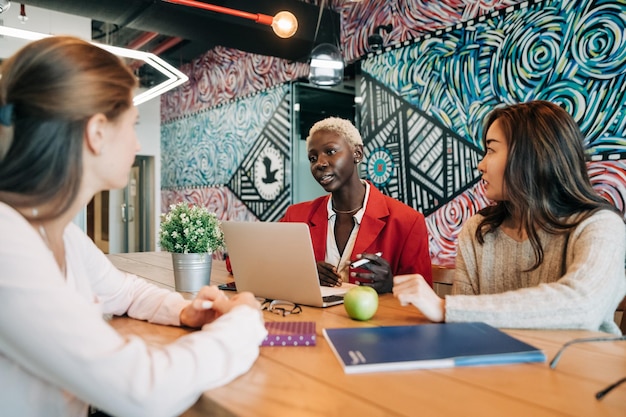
275, 260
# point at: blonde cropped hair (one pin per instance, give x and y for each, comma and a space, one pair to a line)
342, 127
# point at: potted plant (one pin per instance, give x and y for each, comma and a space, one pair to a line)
191, 233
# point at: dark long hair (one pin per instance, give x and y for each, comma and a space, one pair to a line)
546, 184
54, 86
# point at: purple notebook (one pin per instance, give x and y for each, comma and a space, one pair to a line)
289, 333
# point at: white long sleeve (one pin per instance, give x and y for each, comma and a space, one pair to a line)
57, 354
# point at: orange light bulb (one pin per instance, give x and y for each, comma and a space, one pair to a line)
284, 24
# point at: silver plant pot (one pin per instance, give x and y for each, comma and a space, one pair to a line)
192, 271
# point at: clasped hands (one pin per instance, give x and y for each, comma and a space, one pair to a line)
378, 275
196, 314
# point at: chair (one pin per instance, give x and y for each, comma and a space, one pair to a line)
443, 276
622, 307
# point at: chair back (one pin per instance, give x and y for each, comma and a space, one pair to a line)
622, 307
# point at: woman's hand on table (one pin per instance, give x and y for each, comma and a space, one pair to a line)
211, 303
327, 274
413, 289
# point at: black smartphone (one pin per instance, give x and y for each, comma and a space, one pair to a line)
229, 286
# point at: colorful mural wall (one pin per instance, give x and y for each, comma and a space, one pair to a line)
569, 52
409, 19
225, 135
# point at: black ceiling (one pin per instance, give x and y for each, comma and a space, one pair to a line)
120, 22
124, 22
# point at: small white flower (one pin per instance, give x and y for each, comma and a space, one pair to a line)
190, 229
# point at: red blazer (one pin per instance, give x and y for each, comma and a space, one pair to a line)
388, 226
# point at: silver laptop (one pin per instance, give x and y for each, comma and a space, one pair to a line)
276, 261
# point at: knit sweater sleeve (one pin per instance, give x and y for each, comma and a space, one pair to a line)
466, 271
585, 297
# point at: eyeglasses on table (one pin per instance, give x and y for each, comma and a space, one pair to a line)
280, 307
600, 394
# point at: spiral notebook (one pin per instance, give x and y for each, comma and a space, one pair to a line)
290, 333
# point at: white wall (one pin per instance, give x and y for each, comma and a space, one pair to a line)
149, 133
42, 21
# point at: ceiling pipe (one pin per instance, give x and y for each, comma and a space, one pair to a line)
167, 44
159, 49
263, 19
284, 23
141, 40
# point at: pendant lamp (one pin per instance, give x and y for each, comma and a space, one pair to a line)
326, 66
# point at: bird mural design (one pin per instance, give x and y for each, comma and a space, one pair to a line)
270, 174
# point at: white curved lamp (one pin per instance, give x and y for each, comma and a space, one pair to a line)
174, 77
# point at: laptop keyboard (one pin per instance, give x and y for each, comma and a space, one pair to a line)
332, 298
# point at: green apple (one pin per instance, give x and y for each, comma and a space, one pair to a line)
361, 302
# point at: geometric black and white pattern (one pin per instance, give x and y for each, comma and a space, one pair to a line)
263, 179
426, 171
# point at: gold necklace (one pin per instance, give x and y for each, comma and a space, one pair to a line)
347, 211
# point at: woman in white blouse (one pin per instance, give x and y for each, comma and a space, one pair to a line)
66, 133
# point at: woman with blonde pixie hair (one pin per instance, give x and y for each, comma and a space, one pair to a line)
355, 220
67, 132
550, 252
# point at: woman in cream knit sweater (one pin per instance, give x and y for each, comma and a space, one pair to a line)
550, 252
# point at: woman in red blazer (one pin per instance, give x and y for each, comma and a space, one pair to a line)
356, 221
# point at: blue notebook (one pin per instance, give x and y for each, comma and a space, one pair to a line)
396, 348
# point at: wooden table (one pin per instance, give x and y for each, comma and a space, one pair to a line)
308, 381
